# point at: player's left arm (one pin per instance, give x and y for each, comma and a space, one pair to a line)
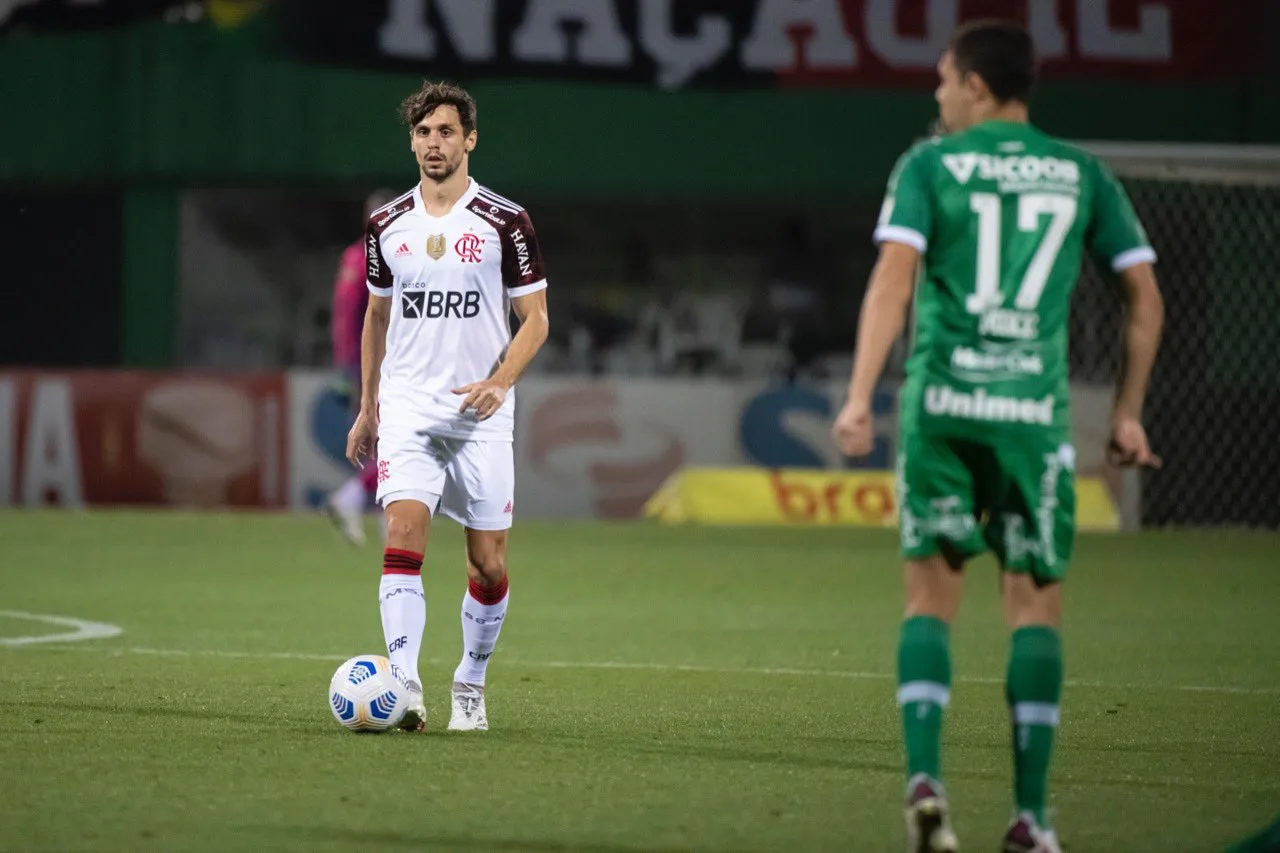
487, 396
1117, 237
525, 279
531, 311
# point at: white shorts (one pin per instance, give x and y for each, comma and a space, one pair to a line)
471, 481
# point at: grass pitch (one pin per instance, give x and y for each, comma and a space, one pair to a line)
654, 689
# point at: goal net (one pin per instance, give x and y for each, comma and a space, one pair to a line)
1213, 216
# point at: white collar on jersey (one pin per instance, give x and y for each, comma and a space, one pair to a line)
460, 204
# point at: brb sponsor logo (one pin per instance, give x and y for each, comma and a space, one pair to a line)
790, 428
838, 498
417, 302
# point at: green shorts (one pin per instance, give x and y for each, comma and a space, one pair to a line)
1016, 498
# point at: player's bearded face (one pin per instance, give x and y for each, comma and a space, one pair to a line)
439, 145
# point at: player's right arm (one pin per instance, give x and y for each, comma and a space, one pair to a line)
903, 234
1117, 237
373, 348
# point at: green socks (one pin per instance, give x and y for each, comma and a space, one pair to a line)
1033, 687
924, 688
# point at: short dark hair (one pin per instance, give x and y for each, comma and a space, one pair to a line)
423, 103
1001, 53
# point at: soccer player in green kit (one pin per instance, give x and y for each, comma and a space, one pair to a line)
986, 227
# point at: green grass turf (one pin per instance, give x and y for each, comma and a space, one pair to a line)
654, 689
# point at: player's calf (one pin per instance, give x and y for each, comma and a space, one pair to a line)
1033, 687
484, 610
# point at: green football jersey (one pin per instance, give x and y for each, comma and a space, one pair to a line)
1001, 214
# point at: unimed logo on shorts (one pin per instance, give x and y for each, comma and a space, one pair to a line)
981, 406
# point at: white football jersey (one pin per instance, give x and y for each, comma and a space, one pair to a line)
452, 279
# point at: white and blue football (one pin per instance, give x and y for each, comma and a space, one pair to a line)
367, 694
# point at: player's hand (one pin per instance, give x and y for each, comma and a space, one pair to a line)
1128, 446
486, 397
853, 430
361, 439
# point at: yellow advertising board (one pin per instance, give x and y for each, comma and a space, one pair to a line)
807, 496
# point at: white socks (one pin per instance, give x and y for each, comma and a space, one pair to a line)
404, 609
484, 609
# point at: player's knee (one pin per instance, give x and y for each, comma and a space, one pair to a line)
1028, 603
933, 588
406, 527
487, 568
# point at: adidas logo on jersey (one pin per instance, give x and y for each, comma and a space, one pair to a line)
1012, 170
403, 251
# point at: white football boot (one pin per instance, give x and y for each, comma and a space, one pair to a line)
415, 718
468, 709
1026, 836
928, 817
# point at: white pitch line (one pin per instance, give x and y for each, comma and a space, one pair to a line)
660, 667
84, 629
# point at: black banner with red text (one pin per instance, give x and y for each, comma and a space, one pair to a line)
670, 44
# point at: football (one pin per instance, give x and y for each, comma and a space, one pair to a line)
367, 694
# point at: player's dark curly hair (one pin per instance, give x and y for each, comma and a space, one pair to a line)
423, 103
1001, 53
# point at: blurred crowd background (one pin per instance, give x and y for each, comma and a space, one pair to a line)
178, 180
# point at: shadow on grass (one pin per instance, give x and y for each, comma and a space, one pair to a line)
362, 839
55, 712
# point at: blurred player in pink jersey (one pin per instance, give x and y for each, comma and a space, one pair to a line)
347, 503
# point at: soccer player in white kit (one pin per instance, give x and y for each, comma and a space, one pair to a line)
447, 263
